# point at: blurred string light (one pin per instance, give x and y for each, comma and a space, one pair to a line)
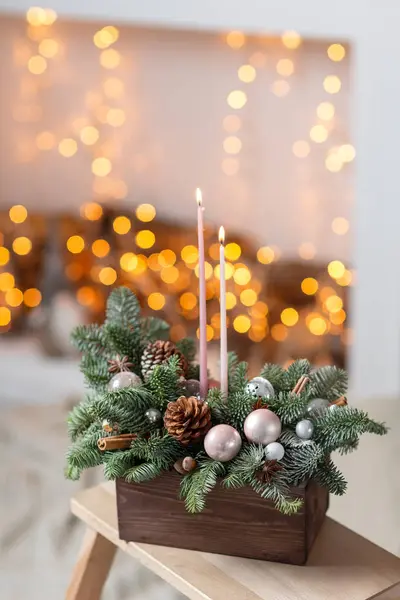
14, 297
247, 73
145, 238
156, 301
107, 276
280, 88
332, 84
285, 67
122, 225
37, 65
105, 37
5, 316
22, 245
309, 286
336, 269
242, 323
89, 135
18, 213
235, 39
45, 140
307, 251
49, 48
4, 255
301, 149
92, 211
38, 16
289, 317
237, 99
279, 332
318, 134
336, 52
67, 147
326, 111
110, 58
265, 255
75, 244
291, 39
340, 225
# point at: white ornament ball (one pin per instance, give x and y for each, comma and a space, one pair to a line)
274, 451
305, 429
317, 406
222, 443
259, 387
124, 379
262, 426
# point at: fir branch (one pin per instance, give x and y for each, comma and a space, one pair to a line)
288, 406
218, 406
197, 484
238, 377
123, 309
154, 328
143, 472
329, 476
244, 466
279, 493
126, 407
187, 346
289, 439
125, 342
340, 427
163, 383
276, 375
193, 372
79, 419
297, 369
239, 405
160, 449
95, 371
302, 462
88, 338
84, 453
329, 382
117, 463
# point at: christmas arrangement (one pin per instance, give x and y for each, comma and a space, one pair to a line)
149, 411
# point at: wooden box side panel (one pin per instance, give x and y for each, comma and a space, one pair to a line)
317, 503
235, 522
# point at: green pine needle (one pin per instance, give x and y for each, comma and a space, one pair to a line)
143, 472
329, 383
196, 485
276, 375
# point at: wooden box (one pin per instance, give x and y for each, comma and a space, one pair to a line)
235, 522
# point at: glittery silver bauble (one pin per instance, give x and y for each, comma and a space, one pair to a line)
123, 380
154, 416
274, 451
317, 406
222, 442
262, 426
259, 387
304, 429
191, 387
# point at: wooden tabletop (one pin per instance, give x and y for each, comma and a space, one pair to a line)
342, 565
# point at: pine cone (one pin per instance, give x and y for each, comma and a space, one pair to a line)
158, 353
187, 419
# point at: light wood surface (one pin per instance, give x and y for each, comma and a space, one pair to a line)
342, 565
92, 568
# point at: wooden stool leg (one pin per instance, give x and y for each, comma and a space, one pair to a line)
92, 568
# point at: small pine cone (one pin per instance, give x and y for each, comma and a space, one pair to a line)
158, 353
187, 419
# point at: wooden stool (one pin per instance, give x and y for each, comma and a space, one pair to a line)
342, 566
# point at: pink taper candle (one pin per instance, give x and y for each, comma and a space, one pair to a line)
202, 298
222, 312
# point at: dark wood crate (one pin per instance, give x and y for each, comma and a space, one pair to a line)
235, 522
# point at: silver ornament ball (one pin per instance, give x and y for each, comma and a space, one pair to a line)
154, 416
259, 387
191, 387
124, 379
262, 426
274, 451
222, 443
317, 406
305, 429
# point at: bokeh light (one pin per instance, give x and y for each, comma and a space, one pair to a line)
317, 325
232, 145
309, 286
334, 303
75, 244
232, 251
14, 297
230, 166
67, 147
247, 73
122, 225
113, 87
32, 297
188, 301
37, 64
45, 140
235, 39
166, 258
229, 271
332, 84
279, 332
289, 317
22, 245
237, 99
100, 248
280, 88
4, 256
248, 297
291, 39
318, 134
107, 275
48, 48
347, 153
145, 212
285, 67
241, 323
5, 316
101, 166
7, 282
145, 238
231, 300
128, 262
232, 123
340, 225
265, 255
110, 58
336, 52
242, 275
86, 295
18, 213
156, 301
325, 111
89, 135
91, 211
307, 251
336, 269
190, 254
301, 149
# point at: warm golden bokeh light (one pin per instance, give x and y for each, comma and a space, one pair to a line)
36, 16
145, 238
74, 271
333, 162
279, 332
237, 99
259, 310
232, 145
110, 59
145, 212
232, 251
231, 300
235, 39
265, 255
115, 117
128, 262
337, 318
247, 73
188, 301
86, 295
91, 211
32, 297
285, 67
230, 166
107, 275
280, 88
258, 59
45, 140
309, 286
14, 297
241, 323
242, 275
325, 111
232, 123
307, 251
89, 135
317, 325
340, 226
169, 274
5, 316
106, 36
336, 52
100, 248
7, 282
75, 244
336, 269
18, 213
332, 84
318, 134
334, 303
207, 269
248, 297
289, 316
122, 225
190, 254
48, 48
229, 271
22, 245
291, 39
347, 153
4, 256
67, 147
346, 278
301, 149
156, 301
167, 258
37, 64
113, 87
101, 166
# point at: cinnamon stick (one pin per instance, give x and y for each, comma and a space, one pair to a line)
300, 385
342, 401
116, 442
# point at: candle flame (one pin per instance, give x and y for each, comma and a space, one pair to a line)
199, 197
221, 235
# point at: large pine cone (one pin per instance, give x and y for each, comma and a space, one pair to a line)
187, 419
157, 353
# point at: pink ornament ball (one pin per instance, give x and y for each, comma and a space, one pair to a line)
262, 426
222, 443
